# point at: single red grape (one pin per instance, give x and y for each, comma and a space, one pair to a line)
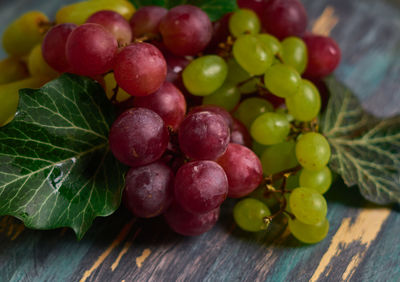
188, 224
54, 44
140, 69
186, 30
240, 135
203, 136
149, 189
168, 102
146, 20
243, 169
114, 23
200, 186
323, 55
284, 18
138, 137
91, 50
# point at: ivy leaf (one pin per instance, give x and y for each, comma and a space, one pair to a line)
56, 169
214, 8
365, 149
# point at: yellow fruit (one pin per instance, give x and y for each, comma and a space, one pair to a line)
78, 13
37, 66
12, 69
110, 85
24, 33
9, 96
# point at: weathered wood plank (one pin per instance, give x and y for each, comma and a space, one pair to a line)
363, 242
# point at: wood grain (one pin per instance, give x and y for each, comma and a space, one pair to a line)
363, 243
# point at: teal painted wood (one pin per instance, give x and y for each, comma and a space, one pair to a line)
368, 34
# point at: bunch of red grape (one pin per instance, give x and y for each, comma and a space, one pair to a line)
251, 129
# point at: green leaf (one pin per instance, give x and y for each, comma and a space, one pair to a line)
365, 149
214, 8
56, 169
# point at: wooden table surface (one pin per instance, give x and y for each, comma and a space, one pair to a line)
363, 242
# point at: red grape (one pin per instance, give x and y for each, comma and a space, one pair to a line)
188, 224
284, 18
149, 189
323, 55
146, 20
91, 49
276, 101
257, 6
216, 110
114, 23
186, 30
53, 46
140, 69
168, 102
138, 137
243, 169
175, 66
200, 186
240, 135
220, 32
203, 136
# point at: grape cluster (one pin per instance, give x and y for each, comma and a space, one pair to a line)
207, 110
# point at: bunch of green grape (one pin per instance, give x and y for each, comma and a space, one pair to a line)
285, 137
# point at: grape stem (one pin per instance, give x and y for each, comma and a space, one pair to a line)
226, 48
283, 174
115, 93
44, 26
245, 81
282, 190
147, 37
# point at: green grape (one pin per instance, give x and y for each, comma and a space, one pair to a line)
37, 66
24, 33
308, 205
12, 69
250, 108
110, 84
78, 13
289, 117
272, 42
227, 96
313, 151
281, 80
258, 148
205, 75
250, 86
265, 196
252, 55
249, 214
308, 233
279, 157
270, 128
244, 22
9, 96
319, 180
306, 103
294, 53
292, 182
237, 75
